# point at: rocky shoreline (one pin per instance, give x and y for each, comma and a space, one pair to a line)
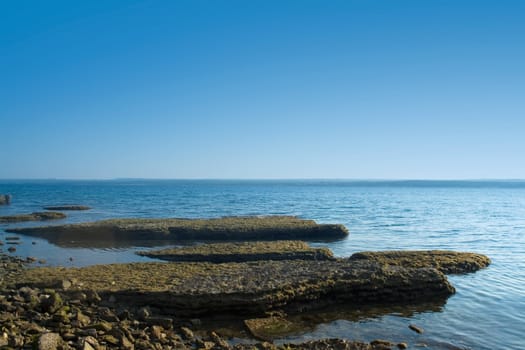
160, 305
76, 314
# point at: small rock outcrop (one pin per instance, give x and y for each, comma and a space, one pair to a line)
67, 207
242, 252
38, 216
448, 262
5, 199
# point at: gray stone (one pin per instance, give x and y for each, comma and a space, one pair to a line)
49, 341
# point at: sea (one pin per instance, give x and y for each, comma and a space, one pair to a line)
486, 312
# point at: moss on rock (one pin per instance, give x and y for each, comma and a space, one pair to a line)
37, 216
220, 229
448, 262
242, 251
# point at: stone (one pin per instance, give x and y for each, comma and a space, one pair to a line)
49, 341
50, 303
187, 333
5, 199
269, 328
448, 262
143, 313
37, 216
242, 252
416, 328
402, 345
67, 207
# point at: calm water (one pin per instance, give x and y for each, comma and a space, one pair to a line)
487, 312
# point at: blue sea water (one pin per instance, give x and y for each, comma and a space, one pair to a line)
487, 312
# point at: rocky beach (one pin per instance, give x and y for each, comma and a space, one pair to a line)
161, 305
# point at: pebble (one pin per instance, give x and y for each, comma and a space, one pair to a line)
416, 328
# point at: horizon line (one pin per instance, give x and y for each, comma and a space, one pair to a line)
258, 179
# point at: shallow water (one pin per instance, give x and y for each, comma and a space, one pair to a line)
486, 217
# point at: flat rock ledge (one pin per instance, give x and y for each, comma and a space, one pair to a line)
242, 252
67, 207
37, 216
220, 229
246, 288
448, 262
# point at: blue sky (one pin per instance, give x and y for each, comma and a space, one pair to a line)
430, 89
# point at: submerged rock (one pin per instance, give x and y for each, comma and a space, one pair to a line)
67, 207
37, 216
448, 262
242, 251
270, 328
221, 229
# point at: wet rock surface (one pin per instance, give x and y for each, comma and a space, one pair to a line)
242, 252
221, 229
66, 318
37, 216
448, 262
250, 288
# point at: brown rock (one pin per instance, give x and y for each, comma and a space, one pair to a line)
49, 341
416, 328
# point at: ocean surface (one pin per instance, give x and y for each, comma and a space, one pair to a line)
487, 311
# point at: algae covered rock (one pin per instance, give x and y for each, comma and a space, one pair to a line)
220, 229
242, 251
37, 216
448, 262
251, 287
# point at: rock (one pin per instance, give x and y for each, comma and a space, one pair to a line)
65, 284
242, 251
380, 344
143, 313
402, 345
37, 216
50, 303
219, 342
5, 199
11, 249
164, 322
133, 231
448, 262
187, 333
334, 344
194, 289
49, 341
67, 207
269, 328
416, 328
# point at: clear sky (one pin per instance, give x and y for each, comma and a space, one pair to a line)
431, 89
